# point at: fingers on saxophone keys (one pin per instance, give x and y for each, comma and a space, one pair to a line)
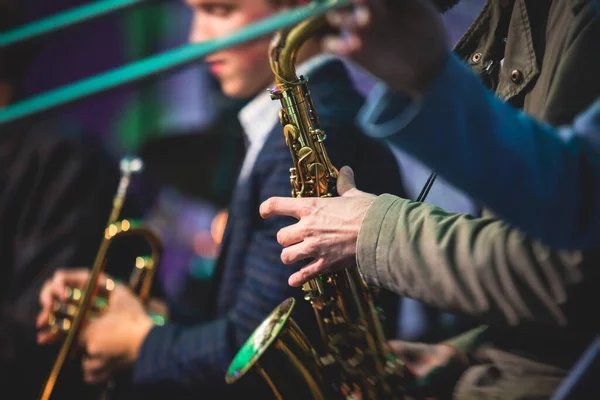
311, 271
299, 252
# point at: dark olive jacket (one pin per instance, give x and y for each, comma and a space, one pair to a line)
542, 56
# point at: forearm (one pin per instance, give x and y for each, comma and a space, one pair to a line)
499, 155
478, 266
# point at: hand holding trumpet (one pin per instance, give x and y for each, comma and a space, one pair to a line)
111, 338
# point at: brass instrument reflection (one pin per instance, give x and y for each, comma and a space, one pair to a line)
83, 304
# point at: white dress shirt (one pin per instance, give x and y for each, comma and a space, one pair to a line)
262, 113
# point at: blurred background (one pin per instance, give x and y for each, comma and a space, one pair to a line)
184, 110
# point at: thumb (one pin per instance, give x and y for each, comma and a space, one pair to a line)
345, 181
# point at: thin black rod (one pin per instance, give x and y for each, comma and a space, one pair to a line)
425, 191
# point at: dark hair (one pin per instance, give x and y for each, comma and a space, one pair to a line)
15, 59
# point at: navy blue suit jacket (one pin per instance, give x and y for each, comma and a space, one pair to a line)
251, 279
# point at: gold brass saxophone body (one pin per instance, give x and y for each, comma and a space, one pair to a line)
82, 304
356, 362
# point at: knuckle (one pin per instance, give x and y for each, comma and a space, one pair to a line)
307, 208
311, 246
304, 274
305, 230
308, 275
319, 268
319, 264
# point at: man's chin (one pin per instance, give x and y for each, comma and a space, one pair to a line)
236, 91
235, 94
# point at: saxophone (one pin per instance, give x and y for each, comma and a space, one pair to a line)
355, 362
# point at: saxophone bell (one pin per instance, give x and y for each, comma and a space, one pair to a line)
281, 354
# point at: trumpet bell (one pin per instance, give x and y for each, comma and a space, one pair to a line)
280, 352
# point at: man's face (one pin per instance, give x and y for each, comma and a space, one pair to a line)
243, 71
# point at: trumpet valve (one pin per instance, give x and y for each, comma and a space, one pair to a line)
59, 324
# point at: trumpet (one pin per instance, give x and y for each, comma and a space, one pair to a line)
63, 313
81, 304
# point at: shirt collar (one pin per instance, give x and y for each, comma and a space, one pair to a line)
254, 113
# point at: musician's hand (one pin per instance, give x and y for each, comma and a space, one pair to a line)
112, 341
404, 43
435, 367
327, 229
55, 288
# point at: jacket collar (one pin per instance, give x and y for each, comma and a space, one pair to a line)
576, 5
477, 45
521, 53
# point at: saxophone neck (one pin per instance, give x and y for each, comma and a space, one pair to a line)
284, 49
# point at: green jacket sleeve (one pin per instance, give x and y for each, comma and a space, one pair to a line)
483, 267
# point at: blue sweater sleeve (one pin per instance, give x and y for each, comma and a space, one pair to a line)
545, 180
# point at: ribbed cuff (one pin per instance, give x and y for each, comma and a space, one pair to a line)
386, 112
